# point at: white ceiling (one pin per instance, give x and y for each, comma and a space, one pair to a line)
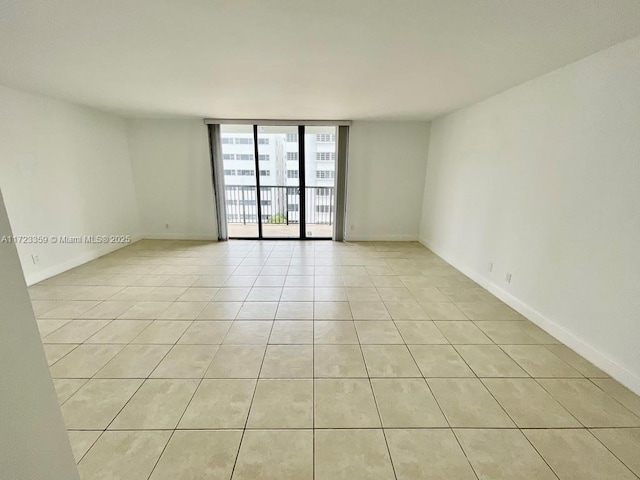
313, 59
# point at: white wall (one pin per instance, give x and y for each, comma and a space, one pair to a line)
172, 173
543, 180
385, 179
34, 442
64, 170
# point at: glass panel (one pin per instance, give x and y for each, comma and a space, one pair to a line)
279, 181
320, 178
240, 180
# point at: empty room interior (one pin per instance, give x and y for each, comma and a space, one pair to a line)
320, 240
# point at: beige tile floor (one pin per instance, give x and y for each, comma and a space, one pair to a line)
293, 360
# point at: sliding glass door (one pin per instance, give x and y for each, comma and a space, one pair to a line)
279, 159
320, 180
292, 167
240, 176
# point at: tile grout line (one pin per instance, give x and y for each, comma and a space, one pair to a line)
611, 452
235, 460
375, 402
450, 428
144, 380
255, 388
586, 428
508, 415
186, 406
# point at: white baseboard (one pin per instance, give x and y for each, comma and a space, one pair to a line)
570, 339
52, 271
382, 238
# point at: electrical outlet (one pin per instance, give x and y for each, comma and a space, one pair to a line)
35, 259
508, 278
166, 225
490, 267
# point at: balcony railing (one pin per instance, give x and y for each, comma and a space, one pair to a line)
279, 205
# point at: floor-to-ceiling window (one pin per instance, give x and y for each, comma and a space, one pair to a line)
294, 170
